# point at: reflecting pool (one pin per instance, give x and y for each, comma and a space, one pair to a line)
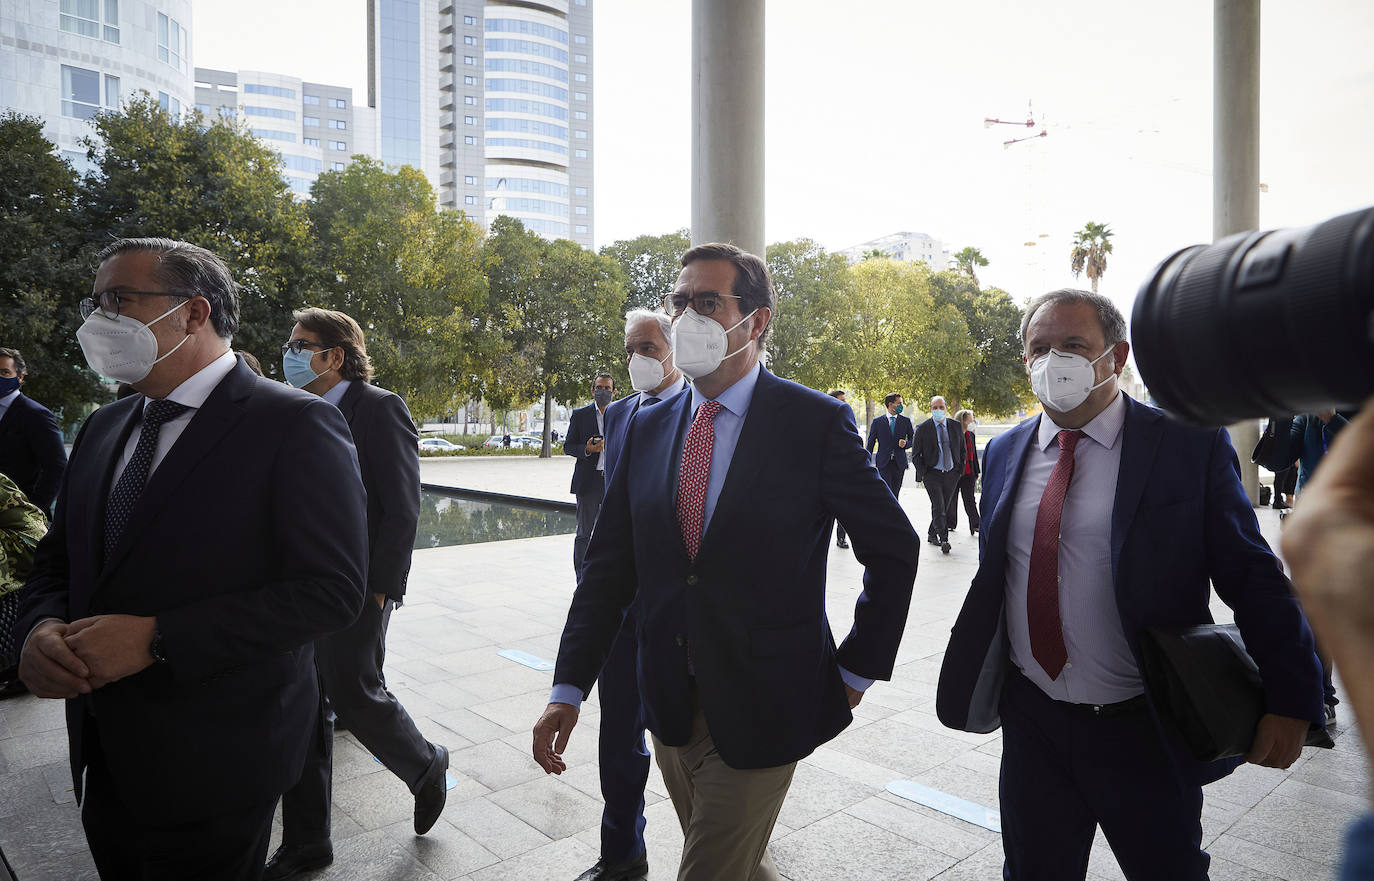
459, 517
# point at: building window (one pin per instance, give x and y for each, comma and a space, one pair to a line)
310, 99
470, 41
580, 135
83, 17
112, 92
580, 39
310, 142
338, 103
171, 44
580, 154
469, 80
337, 166
468, 59
272, 135
274, 91
203, 109
469, 99
469, 139
469, 180
338, 124
81, 92
581, 191
579, 114
580, 58
227, 112
468, 19
469, 120
581, 227
579, 96
580, 209
274, 112
338, 145
579, 2
580, 77
310, 120
469, 200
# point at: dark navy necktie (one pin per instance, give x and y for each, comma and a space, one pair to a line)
135, 477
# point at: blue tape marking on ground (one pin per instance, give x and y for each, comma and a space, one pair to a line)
945, 803
526, 658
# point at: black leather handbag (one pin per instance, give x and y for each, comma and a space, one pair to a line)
1207, 686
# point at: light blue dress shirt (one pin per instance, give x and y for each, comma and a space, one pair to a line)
335, 394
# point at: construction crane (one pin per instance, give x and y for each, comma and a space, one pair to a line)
1029, 123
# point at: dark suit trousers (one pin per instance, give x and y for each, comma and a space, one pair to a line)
1066, 771
228, 847
588, 506
350, 667
942, 487
623, 755
967, 482
892, 476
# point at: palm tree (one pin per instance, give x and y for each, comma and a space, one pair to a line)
967, 261
1091, 245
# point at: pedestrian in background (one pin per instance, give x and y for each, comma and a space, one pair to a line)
968, 481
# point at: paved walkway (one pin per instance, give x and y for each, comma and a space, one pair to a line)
506, 820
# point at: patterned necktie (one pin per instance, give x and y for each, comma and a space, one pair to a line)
694, 476
1042, 586
130, 486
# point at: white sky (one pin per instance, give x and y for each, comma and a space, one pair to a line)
875, 115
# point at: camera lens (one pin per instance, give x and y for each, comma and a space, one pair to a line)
1261, 323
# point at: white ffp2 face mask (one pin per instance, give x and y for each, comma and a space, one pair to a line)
646, 374
1063, 381
699, 343
122, 348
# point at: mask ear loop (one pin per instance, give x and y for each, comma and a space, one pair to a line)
159, 318
746, 345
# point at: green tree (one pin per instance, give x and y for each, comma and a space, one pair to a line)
41, 277
1091, 245
411, 274
212, 185
968, 260
651, 265
560, 308
807, 343
995, 382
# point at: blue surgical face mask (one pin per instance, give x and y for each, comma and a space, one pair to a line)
8, 384
296, 366
938, 415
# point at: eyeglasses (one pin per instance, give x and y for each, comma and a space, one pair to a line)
107, 302
295, 346
704, 303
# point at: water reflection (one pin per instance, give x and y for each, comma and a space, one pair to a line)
445, 521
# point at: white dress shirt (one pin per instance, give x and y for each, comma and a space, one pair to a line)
1100, 667
601, 430
191, 393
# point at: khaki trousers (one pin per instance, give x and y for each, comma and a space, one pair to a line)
727, 814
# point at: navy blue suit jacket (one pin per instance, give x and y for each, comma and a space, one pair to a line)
618, 417
1181, 523
31, 450
248, 544
881, 435
582, 427
751, 607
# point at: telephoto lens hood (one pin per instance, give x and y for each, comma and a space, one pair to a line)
1261, 323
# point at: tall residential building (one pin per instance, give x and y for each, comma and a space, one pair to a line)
492, 100
66, 60
313, 126
909, 246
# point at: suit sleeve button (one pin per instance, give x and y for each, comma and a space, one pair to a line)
680, 639
691, 580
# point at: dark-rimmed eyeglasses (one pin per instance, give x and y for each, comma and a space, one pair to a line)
704, 303
107, 303
295, 346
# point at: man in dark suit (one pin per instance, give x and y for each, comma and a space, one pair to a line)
717, 535
938, 456
31, 450
586, 442
212, 528
891, 435
840, 540
622, 756
327, 356
1103, 517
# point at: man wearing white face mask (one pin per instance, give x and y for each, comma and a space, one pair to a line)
716, 532
210, 529
1102, 517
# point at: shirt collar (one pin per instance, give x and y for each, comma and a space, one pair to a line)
665, 394
10, 398
1104, 428
737, 397
335, 394
193, 391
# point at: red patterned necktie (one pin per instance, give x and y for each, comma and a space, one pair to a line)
695, 474
1042, 587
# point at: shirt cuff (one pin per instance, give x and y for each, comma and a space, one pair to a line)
856, 682
30, 636
567, 694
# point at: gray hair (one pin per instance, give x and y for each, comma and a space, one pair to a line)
964, 414
664, 320
191, 270
1112, 321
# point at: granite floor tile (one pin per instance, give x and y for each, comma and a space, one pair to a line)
556, 861
844, 848
494, 828
551, 806
496, 764
444, 850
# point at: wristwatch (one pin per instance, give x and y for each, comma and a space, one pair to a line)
155, 648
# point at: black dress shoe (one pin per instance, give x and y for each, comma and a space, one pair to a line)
944, 547
292, 860
626, 870
933, 540
433, 792
841, 544
973, 530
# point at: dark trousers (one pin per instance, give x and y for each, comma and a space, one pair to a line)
892, 476
588, 506
1066, 771
964, 488
228, 847
350, 667
942, 487
621, 750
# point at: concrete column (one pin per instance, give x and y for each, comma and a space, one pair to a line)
727, 122
1235, 154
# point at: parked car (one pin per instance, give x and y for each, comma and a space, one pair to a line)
494, 442
439, 443
525, 440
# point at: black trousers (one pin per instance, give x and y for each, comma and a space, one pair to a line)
228, 847
942, 487
892, 476
621, 751
350, 667
965, 487
588, 506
